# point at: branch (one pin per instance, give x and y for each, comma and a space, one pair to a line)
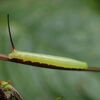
6, 58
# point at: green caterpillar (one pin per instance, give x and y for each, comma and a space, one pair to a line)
47, 60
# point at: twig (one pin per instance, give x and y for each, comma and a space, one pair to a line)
6, 58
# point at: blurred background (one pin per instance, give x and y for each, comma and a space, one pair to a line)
69, 28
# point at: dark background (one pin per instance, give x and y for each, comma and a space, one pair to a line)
69, 28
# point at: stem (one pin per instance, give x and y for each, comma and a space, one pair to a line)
6, 58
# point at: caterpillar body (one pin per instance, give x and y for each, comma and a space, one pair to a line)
47, 61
